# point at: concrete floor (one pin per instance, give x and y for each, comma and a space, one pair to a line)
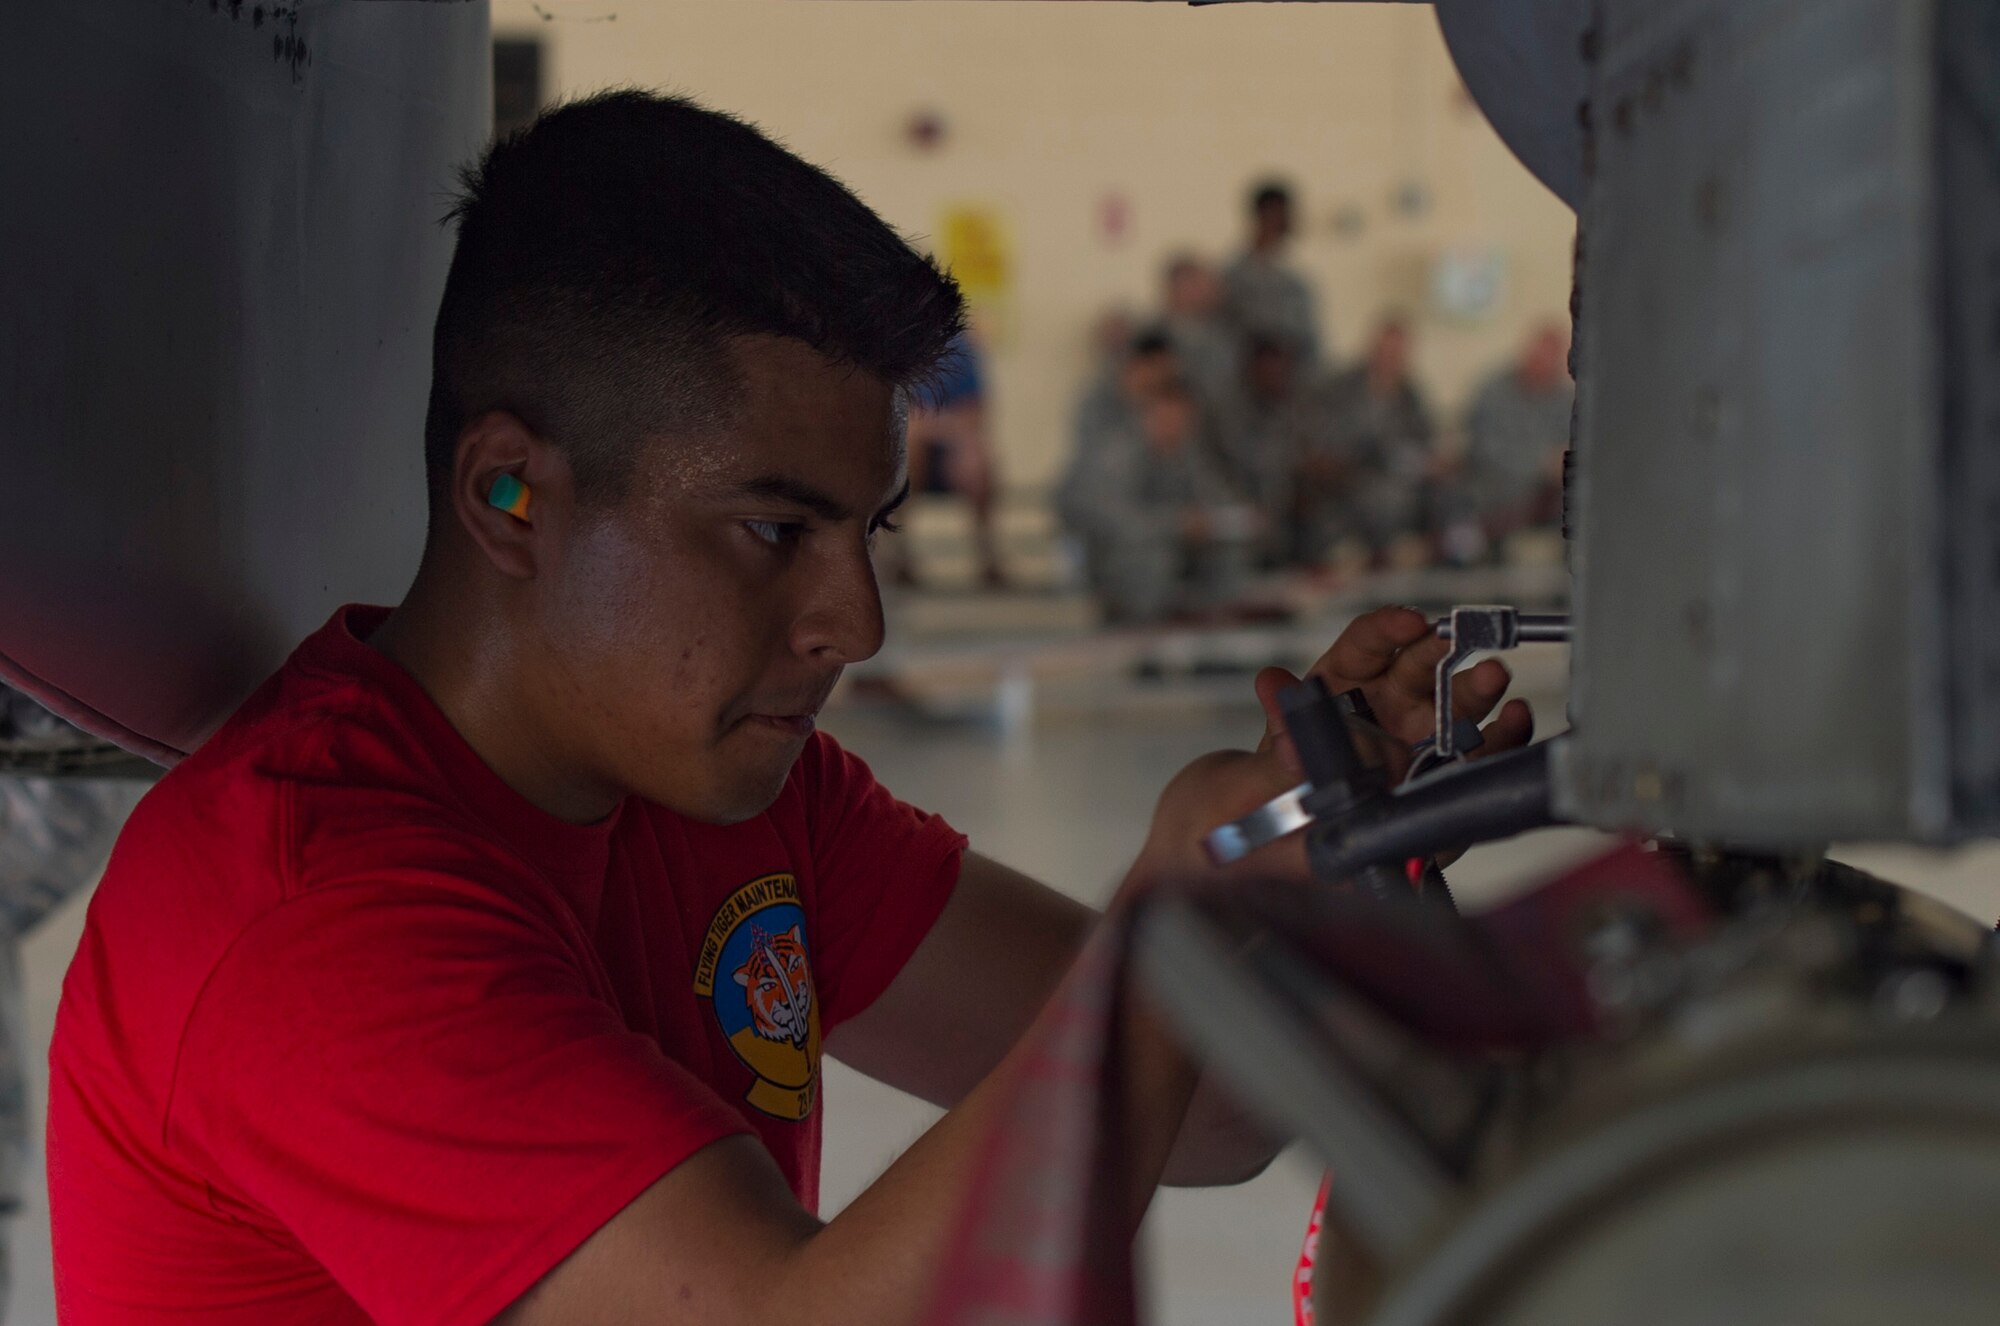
1068, 802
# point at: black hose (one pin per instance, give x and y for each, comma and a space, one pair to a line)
1489, 799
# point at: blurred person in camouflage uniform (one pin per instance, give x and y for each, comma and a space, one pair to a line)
1265, 430
1370, 466
55, 834
1515, 435
1167, 534
1193, 317
1264, 295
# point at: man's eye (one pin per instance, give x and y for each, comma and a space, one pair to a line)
884, 525
777, 533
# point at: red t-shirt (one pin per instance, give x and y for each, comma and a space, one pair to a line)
355, 1032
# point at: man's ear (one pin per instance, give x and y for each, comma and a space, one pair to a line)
514, 523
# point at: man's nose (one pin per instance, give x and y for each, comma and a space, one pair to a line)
842, 623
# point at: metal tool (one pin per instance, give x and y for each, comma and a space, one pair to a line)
1478, 630
1288, 812
1282, 814
1470, 630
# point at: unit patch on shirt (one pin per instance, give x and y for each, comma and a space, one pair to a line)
756, 973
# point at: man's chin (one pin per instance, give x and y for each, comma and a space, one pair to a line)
742, 794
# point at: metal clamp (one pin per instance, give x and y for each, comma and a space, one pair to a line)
1477, 630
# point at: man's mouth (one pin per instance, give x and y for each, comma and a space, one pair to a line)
798, 725
795, 717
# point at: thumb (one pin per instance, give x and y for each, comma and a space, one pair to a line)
1270, 682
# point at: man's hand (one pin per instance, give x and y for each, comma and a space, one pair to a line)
1216, 788
1392, 655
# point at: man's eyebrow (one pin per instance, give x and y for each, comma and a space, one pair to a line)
778, 488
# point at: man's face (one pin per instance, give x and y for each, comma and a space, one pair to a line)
696, 627
1146, 375
1193, 291
1274, 220
1391, 352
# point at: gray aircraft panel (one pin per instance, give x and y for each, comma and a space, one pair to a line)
221, 223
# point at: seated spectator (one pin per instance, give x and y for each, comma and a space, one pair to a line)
1261, 293
1370, 463
1516, 431
1262, 428
1163, 532
1193, 319
1114, 338
1134, 367
950, 452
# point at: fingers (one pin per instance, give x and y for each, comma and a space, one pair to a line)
1409, 700
1269, 683
1369, 645
1514, 728
1475, 691
1405, 696
1393, 656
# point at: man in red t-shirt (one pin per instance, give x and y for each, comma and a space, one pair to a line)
480, 966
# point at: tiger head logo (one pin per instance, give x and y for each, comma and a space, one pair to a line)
755, 971
777, 985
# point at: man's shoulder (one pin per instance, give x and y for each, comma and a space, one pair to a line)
304, 769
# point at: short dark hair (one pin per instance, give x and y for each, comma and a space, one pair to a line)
1270, 193
607, 255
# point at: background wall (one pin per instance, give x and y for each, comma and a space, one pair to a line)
1052, 111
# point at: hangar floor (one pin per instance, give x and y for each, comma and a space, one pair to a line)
1068, 801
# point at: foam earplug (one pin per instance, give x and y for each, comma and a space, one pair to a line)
510, 495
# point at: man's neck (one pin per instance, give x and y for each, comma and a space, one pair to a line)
465, 662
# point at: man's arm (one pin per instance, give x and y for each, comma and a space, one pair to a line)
719, 1238
971, 990
1003, 942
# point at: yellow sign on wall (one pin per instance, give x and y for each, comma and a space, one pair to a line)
975, 247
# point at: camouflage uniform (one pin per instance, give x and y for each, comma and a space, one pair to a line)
55, 834
1266, 298
1210, 357
1260, 441
1384, 448
1127, 504
1513, 436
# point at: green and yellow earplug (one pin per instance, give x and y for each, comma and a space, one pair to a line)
510, 495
